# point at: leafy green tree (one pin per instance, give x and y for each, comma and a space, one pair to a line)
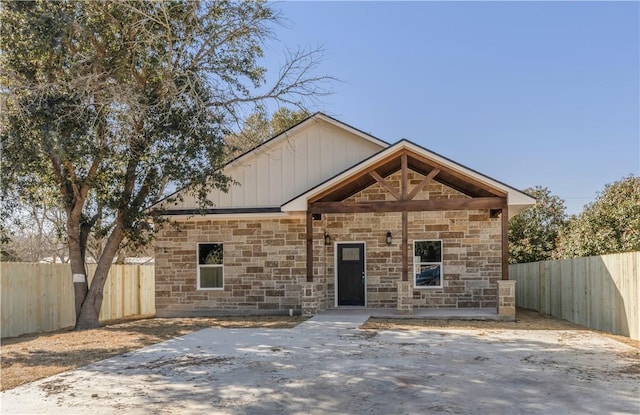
533, 233
111, 103
258, 127
285, 118
609, 224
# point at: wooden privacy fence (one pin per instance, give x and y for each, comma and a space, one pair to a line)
39, 297
601, 292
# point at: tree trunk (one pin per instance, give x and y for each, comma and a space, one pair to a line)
90, 310
76, 259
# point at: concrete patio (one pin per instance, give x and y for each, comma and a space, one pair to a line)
326, 365
422, 313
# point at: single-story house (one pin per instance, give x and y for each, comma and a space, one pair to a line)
325, 215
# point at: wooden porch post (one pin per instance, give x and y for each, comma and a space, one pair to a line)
405, 244
405, 177
504, 217
309, 245
405, 218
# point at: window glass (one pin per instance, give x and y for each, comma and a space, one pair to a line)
210, 266
427, 264
210, 254
428, 251
428, 275
210, 277
351, 254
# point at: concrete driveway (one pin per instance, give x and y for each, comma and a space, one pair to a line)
327, 366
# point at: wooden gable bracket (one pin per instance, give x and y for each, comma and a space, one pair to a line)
409, 205
404, 170
353, 178
433, 173
404, 202
384, 184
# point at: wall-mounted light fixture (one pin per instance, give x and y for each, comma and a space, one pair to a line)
327, 239
388, 238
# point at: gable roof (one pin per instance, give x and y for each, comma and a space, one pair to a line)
452, 174
317, 116
307, 153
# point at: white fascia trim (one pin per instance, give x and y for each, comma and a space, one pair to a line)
305, 124
514, 197
269, 144
300, 203
352, 130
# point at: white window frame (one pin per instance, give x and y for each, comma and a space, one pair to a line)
199, 265
417, 264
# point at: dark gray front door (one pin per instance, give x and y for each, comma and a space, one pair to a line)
351, 274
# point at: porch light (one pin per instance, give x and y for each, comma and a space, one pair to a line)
388, 238
327, 239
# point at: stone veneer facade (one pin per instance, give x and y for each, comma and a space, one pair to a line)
265, 265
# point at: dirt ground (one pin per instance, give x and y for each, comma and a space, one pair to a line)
328, 365
31, 357
525, 320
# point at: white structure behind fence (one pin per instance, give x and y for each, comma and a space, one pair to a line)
39, 297
601, 292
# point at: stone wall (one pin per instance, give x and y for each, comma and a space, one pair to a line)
471, 244
383, 263
472, 262
471, 256
507, 300
264, 267
265, 264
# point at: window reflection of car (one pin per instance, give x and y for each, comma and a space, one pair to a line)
429, 276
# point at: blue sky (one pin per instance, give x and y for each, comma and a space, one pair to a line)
530, 93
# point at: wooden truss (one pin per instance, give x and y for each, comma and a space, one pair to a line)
480, 196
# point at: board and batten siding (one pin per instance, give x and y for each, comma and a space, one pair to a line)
277, 172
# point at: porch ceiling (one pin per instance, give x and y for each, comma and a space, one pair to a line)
416, 163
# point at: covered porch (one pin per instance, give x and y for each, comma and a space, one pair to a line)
404, 175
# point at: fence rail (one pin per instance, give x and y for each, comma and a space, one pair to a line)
601, 292
39, 297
